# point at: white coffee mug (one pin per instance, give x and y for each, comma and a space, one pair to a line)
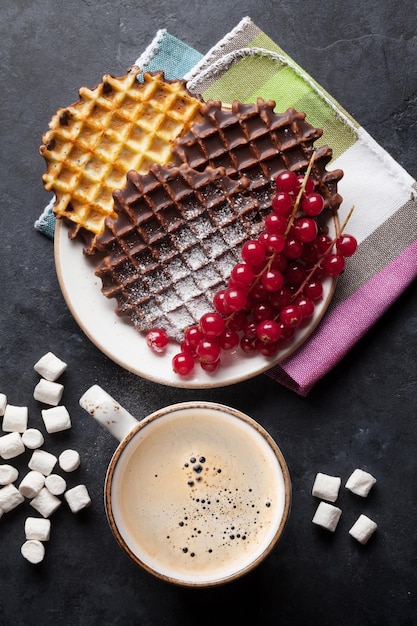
197, 493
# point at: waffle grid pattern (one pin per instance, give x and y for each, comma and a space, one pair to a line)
120, 125
176, 237
253, 140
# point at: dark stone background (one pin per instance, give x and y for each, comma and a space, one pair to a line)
362, 414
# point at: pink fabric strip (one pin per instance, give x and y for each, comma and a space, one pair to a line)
346, 324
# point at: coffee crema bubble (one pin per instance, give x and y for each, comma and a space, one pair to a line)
222, 503
200, 494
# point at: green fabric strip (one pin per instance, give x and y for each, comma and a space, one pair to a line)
268, 78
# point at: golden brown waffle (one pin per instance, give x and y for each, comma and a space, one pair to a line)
253, 140
177, 235
121, 124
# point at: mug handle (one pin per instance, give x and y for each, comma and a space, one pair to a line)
109, 413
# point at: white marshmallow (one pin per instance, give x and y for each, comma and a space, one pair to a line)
32, 438
8, 474
10, 498
31, 484
77, 498
42, 461
3, 403
50, 366
11, 445
326, 487
56, 419
363, 529
45, 503
360, 483
55, 484
37, 528
48, 392
15, 419
327, 516
69, 460
33, 551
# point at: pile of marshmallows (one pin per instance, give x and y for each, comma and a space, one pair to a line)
40, 485
327, 515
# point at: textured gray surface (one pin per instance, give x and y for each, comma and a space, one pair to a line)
362, 414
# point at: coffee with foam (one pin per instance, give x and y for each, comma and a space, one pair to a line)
198, 494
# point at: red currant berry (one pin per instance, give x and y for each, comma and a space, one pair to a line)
276, 223
291, 316
250, 330
253, 252
309, 185
281, 298
282, 203
273, 242
237, 321
211, 324
262, 311
323, 243
293, 248
346, 245
242, 274
208, 350
248, 344
287, 181
279, 263
296, 273
312, 204
268, 331
287, 332
313, 290
272, 280
306, 306
305, 229
183, 363
184, 347
310, 253
228, 339
192, 336
267, 349
218, 301
157, 339
235, 299
259, 293
334, 264
210, 367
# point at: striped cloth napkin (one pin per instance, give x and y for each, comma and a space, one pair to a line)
247, 64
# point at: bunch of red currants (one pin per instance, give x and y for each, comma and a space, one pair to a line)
274, 289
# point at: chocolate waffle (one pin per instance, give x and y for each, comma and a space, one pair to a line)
253, 140
121, 124
177, 234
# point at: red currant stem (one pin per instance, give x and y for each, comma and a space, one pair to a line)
348, 216
324, 255
300, 194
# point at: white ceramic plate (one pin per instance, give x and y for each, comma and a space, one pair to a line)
117, 339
